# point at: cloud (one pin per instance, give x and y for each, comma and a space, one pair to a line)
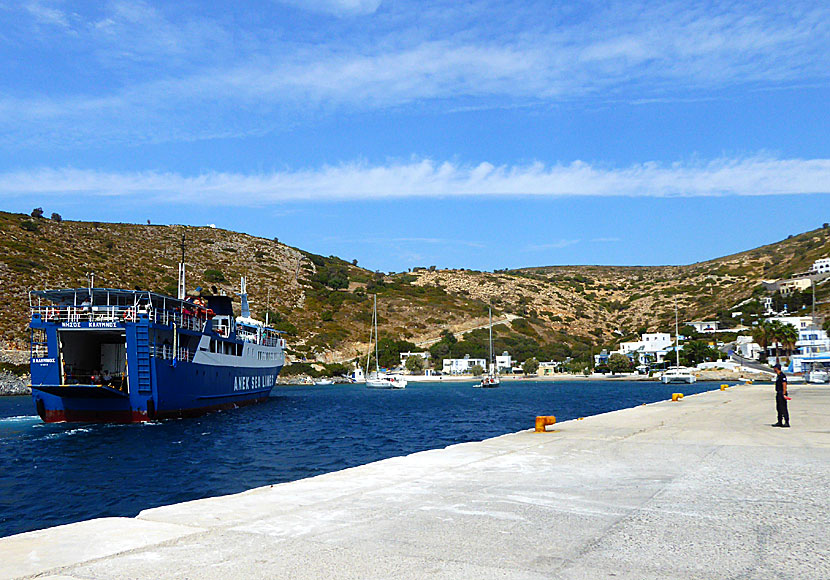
760, 175
182, 79
557, 245
336, 7
605, 240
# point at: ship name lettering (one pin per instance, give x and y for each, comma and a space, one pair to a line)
250, 383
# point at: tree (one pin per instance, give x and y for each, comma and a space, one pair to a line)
213, 275
477, 370
776, 334
826, 325
37, 212
56, 217
414, 364
697, 351
788, 336
763, 335
530, 366
619, 363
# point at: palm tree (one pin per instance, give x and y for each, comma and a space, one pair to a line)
789, 336
776, 336
762, 334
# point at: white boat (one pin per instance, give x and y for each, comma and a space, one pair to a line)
377, 379
817, 376
491, 380
322, 382
677, 375
384, 381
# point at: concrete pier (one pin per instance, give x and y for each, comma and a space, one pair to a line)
701, 488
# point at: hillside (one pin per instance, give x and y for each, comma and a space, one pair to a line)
324, 302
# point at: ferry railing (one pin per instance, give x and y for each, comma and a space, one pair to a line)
118, 314
265, 338
180, 319
166, 352
88, 313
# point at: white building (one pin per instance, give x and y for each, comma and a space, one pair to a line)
746, 347
457, 366
800, 322
651, 348
821, 266
705, 326
812, 340
654, 345
814, 349
405, 355
504, 362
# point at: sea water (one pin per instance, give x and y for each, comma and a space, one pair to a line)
52, 474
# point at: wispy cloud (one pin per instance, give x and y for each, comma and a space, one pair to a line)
605, 240
183, 78
336, 7
425, 178
556, 245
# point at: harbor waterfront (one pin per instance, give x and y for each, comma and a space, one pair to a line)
699, 488
60, 473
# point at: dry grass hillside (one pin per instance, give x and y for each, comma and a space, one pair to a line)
325, 303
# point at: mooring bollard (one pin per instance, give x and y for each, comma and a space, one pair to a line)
724, 387
543, 421
676, 396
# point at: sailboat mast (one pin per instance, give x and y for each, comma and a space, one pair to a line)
676, 334
375, 317
490, 312
369, 352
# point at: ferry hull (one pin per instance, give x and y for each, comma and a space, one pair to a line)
188, 390
145, 359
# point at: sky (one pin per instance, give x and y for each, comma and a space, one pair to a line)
476, 134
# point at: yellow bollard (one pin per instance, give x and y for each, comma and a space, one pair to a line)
724, 387
543, 421
676, 396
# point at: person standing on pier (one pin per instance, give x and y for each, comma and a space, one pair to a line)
781, 397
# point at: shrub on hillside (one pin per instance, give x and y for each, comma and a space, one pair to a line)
212, 275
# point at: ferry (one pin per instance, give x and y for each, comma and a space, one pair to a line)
125, 356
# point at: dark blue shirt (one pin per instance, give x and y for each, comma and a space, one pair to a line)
780, 381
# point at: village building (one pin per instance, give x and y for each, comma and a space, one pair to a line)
459, 366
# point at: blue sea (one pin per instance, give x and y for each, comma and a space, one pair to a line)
60, 473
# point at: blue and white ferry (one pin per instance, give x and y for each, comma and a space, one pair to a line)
110, 355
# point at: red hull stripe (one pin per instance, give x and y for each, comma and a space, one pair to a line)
81, 416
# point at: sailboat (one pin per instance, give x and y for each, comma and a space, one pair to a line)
377, 379
491, 379
677, 374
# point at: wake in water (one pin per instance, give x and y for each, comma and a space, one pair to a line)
19, 419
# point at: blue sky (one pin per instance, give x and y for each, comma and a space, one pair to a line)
458, 134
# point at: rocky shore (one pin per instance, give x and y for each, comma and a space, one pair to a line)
11, 383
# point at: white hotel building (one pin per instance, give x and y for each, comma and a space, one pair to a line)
458, 366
